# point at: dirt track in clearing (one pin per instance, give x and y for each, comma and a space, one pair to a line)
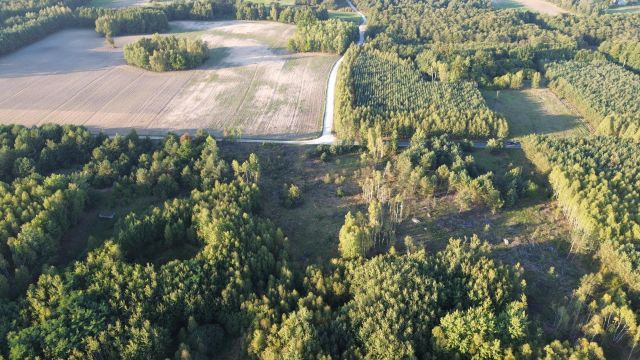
251, 84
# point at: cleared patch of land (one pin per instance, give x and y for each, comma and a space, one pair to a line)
251, 84
269, 2
535, 111
346, 16
312, 228
533, 233
116, 3
630, 9
540, 6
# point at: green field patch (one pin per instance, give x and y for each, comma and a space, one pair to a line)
345, 16
508, 4
535, 111
630, 9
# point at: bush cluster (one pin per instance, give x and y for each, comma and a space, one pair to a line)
166, 53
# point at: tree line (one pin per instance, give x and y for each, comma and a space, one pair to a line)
332, 36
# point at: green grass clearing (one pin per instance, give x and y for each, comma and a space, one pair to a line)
281, 2
535, 111
629, 9
348, 16
100, 3
508, 4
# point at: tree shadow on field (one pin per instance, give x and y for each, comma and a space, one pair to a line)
527, 113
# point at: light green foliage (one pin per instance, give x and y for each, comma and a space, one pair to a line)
355, 237
625, 52
380, 88
536, 80
584, 349
605, 94
291, 196
166, 53
388, 307
495, 145
332, 36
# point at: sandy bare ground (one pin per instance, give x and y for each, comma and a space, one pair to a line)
251, 85
540, 6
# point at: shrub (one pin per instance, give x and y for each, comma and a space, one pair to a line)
166, 53
291, 196
495, 145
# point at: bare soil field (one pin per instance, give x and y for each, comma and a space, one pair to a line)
251, 84
540, 6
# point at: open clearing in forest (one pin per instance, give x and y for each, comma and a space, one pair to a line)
251, 84
535, 111
116, 3
350, 16
540, 6
629, 9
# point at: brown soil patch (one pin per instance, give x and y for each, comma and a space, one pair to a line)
251, 84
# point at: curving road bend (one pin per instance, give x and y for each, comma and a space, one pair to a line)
327, 136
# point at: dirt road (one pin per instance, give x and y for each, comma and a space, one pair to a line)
327, 136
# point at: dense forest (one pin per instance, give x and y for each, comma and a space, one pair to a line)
441, 247
625, 52
332, 36
595, 180
587, 176
445, 44
234, 279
